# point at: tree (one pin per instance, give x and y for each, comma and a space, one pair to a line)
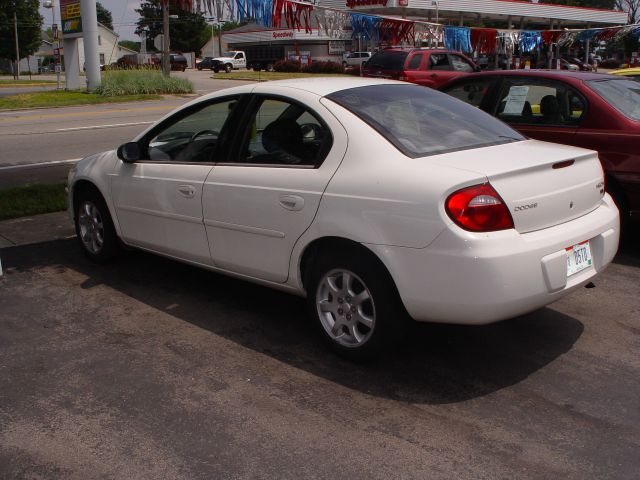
130, 44
630, 6
185, 34
104, 16
29, 28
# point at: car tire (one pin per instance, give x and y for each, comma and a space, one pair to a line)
355, 304
215, 70
199, 69
227, 68
270, 67
344, 65
94, 227
621, 202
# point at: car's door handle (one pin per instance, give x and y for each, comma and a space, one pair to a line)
187, 190
292, 202
434, 75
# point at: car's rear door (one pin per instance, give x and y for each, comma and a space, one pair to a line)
258, 203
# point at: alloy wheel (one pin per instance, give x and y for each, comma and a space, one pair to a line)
91, 228
345, 307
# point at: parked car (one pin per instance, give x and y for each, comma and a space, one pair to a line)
422, 66
372, 198
631, 73
565, 65
589, 110
583, 67
355, 59
206, 63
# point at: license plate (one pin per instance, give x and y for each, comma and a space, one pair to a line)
578, 258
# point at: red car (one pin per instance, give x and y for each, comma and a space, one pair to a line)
590, 110
423, 66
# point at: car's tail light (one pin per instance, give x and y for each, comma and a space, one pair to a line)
479, 209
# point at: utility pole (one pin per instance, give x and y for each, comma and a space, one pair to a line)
15, 28
218, 13
91, 48
166, 66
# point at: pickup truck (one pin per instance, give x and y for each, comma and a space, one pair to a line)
229, 61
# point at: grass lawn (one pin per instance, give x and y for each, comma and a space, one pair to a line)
31, 200
21, 83
264, 76
62, 98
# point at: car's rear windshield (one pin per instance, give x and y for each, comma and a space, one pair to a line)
420, 121
388, 60
623, 95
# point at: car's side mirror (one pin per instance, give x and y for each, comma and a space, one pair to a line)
129, 152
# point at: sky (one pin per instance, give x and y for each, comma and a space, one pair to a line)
122, 11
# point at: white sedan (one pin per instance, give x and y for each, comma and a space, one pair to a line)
372, 198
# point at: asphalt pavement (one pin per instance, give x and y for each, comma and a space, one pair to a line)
148, 368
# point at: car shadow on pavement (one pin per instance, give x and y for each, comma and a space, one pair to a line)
435, 364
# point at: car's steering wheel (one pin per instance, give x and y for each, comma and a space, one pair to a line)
202, 132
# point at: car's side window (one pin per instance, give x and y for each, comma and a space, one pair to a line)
414, 63
540, 102
192, 138
459, 64
280, 132
473, 92
439, 61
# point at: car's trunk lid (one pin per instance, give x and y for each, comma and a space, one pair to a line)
543, 184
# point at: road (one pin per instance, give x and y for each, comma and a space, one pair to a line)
37, 143
148, 368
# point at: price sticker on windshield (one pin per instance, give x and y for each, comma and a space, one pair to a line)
578, 258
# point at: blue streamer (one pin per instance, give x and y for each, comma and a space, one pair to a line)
530, 40
585, 35
258, 10
457, 38
365, 26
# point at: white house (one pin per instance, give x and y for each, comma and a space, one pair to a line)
108, 49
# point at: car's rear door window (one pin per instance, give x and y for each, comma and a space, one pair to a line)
421, 121
415, 61
540, 102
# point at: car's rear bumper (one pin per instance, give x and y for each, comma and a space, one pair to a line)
470, 278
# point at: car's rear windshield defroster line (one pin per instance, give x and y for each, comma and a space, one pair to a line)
420, 121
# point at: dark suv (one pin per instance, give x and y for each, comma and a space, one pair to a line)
423, 66
177, 61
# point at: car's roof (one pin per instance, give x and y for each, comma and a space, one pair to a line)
321, 86
541, 73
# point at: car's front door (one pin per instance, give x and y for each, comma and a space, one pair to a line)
541, 108
258, 205
442, 67
158, 200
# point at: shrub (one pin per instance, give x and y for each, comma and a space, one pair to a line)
287, 66
144, 81
609, 63
323, 67
355, 70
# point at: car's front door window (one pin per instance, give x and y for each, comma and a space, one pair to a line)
439, 61
540, 102
193, 138
459, 64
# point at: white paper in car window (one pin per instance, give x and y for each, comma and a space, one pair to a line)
515, 100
